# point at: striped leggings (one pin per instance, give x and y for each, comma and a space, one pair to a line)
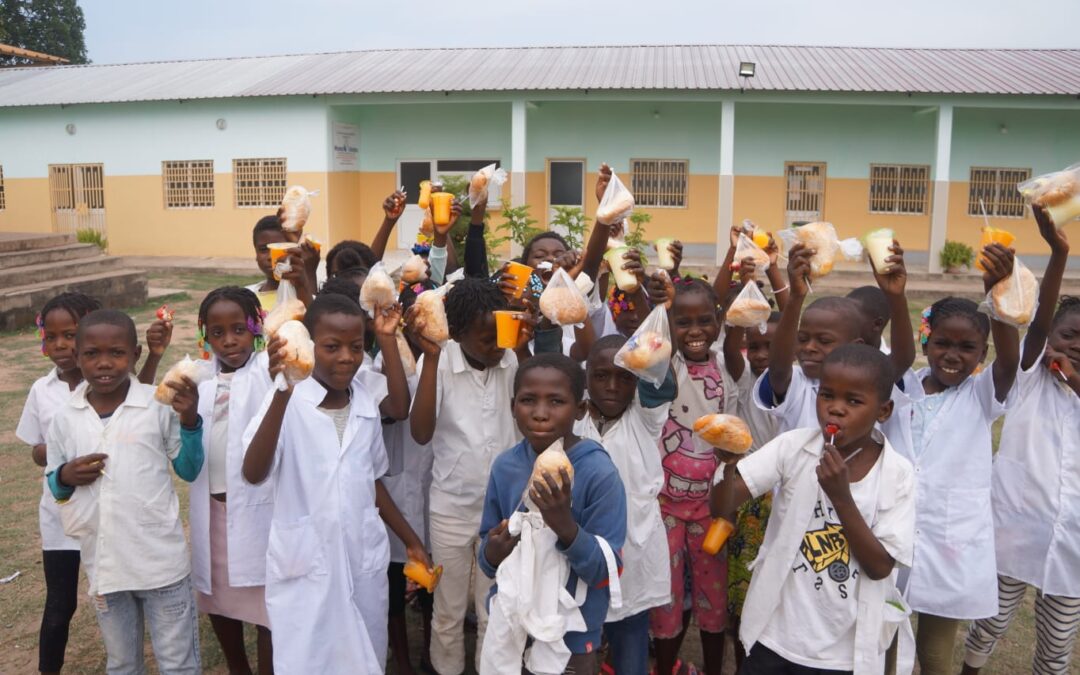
1056, 621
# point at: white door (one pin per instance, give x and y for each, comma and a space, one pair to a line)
77, 197
412, 172
805, 200
566, 187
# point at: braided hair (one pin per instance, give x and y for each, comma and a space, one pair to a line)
1070, 304
949, 307
352, 254
248, 303
470, 298
77, 305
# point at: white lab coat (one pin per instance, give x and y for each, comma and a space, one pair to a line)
250, 506
1036, 484
326, 590
953, 572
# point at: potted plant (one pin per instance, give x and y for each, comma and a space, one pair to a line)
956, 257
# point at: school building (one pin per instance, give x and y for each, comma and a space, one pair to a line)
181, 158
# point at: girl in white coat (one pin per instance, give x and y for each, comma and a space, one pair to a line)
230, 519
326, 591
952, 576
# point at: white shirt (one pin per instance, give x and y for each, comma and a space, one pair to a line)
47, 395
218, 435
138, 542
823, 584
473, 424
1036, 484
798, 410
953, 574
764, 426
790, 462
631, 441
372, 380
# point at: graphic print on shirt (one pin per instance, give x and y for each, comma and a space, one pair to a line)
688, 470
824, 551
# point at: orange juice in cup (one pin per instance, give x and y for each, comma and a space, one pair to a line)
279, 250
521, 274
428, 578
993, 235
440, 208
425, 194
507, 328
717, 536
761, 238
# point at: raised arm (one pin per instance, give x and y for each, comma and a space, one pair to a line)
782, 348
776, 276
422, 416
998, 262
594, 250
893, 282
396, 403
393, 206
158, 337
259, 457
722, 283
1049, 290
476, 262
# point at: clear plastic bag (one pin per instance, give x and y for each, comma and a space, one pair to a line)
300, 358
562, 302
1057, 192
486, 180
1013, 299
647, 353
746, 248
431, 315
287, 307
828, 248
196, 371
379, 290
296, 208
414, 270
618, 202
750, 309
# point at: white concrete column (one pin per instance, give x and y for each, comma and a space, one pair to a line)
726, 210
939, 213
517, 158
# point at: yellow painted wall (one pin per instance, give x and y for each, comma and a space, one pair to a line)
761, 199
966, 229
27, 205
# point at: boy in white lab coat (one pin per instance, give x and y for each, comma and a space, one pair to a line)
322, 441
842, 519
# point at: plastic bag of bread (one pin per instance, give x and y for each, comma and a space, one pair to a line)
828, 249
746, 248
430, 315
750, 309
196, 371
295, 208
414, 270
726, 432
1012, 300
287, 307
379, 290
618, 202
647, 353
488, 179
550, 461
562, 302
1058, 193
300, 360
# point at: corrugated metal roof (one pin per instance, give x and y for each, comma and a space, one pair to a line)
669, 68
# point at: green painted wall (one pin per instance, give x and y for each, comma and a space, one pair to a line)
848, 138
1042, 140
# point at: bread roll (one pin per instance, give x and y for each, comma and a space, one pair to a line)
618, 206
295, 209
288, 310
185, 367
414, 270
726, 432
821, 237
408, 361
1058, 189
1014, 299
300, 358
378, 291
748, 312
550, 461
564, 306
431, 313
479, 182
649, 349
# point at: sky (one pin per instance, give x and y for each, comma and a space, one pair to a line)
122, 31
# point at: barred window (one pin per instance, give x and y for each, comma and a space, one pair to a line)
899, 188
259, 182
188, 184
996, 188
3, 199
659, 182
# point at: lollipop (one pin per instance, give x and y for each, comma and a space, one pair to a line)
164, 313
832, 430
1057, 369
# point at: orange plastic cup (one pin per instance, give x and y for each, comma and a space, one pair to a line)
507, 328
279, 250
440, 208
428, 578
425, 194
717, 536
761, 238
993, 235
521, 274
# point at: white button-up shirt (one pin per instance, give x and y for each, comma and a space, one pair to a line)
138, 542
473, 424
1036, 484
47, 395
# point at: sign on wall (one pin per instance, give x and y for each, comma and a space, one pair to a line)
346, 142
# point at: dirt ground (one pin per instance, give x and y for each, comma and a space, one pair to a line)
20, 488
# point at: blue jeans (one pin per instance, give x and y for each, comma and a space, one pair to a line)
628, 644
174, 630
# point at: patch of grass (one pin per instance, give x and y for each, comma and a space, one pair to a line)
91, 236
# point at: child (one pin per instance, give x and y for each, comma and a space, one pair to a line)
57, 324
548, 400
267, 231
1033, 475
326, 560
460, 408
109, 448
230, 519
952, 578
347, 254
875, 309
843, 517
627, 417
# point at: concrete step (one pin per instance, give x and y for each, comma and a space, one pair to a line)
44, 272
117, 288
13, 242
54, 254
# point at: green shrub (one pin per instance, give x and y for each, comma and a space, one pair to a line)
87, 235
635, 236
574, 222
955, 255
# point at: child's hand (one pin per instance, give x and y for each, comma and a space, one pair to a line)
507, 282
554, 504
660, 289
832, 475
633, 265
528, 324
416, 553
455, 212
185, 401
83, 470
1053, 236
499, 544
310, 255
997, 264
772, 250
747, 269
1056, 361
676, 249
394, 205
387, 319
158, 337
414, 326
733, 235
893, 279
297, 276
602, 180
277, 353
727, 457
799, 270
